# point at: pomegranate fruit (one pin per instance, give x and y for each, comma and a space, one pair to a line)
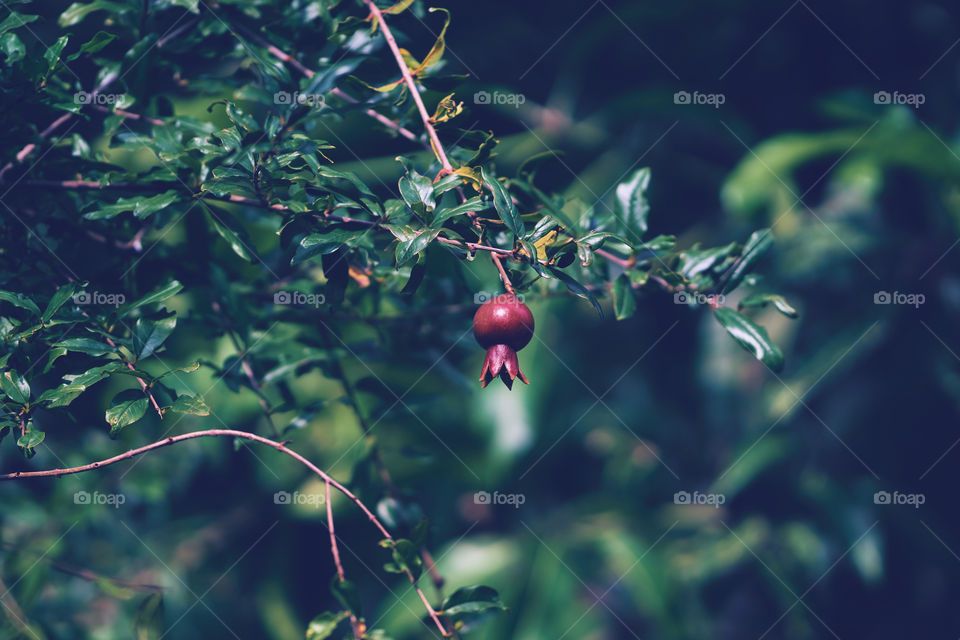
502, 326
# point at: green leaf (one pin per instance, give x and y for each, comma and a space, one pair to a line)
235, 235
148, 623
346, 594
696, 261
52, 55
58, 300
763, 299
631, 202
757, 246
126, 408
504, 205
88, 346
324, 625
472, 600
406, 557
16, 388
16, 20
575, 287
140, 206
79, 10
624, 302
475, 204
328, 172
751, 337
324, 243
408, 249
192, 405
31, 438
417, 191
170, 289
190, 368
94, 44
12, 47
66, 393
19, 300
148, 335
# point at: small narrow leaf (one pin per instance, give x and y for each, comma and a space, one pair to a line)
504, 205
751, 337
148, 335
576, 288
631, 201
323, 626
763, 299
20, 300
126, 408
756, 247
58, 300
474, 204
186, 403
140, 206
170, 289
30, 438
624, 302
16, 388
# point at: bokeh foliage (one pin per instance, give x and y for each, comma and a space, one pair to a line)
224, 192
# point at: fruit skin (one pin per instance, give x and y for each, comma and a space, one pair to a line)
503, 320
503, 326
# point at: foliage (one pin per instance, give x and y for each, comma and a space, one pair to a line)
238, 214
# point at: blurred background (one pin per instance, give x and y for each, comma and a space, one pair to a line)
654, 480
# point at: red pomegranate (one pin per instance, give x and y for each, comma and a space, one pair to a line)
502, 326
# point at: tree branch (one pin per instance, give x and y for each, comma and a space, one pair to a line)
414, 92
279, 446
309, 73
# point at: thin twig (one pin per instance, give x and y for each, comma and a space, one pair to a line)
343, 95
414, 92
245, 365
335, 551
143, 384
503, 273
279, 446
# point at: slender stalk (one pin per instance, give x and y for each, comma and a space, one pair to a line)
343, 95
408, 79
245, 366
335, 551
503, 273
279, 446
